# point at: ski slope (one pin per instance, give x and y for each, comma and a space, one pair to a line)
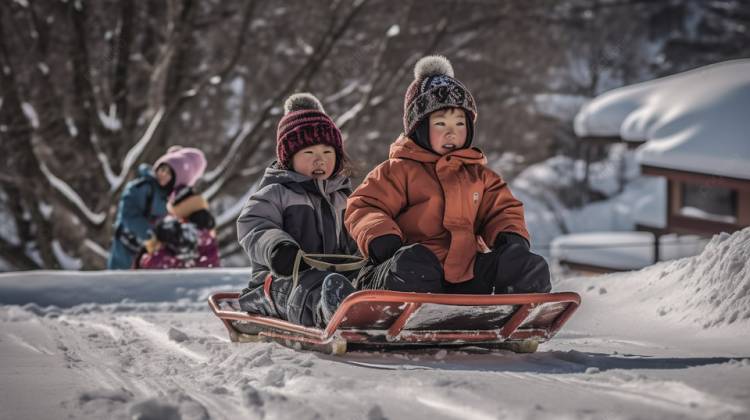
671, 341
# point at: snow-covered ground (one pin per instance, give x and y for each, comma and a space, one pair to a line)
670, 341
541, 186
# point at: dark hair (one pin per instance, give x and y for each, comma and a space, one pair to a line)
349, 167
170, 185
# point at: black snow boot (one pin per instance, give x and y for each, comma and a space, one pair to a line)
334, 290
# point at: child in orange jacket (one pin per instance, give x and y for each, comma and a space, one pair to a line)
426, 216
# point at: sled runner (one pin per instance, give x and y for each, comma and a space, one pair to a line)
395, 320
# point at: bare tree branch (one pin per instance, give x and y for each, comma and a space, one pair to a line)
120, 85
224, 70
323, 48
16, 256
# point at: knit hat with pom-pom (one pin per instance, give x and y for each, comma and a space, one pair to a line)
305, 123
187, 163
435, 87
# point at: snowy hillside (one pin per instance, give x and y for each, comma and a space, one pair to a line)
670, 341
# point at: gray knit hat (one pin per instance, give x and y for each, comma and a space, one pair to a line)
434, 87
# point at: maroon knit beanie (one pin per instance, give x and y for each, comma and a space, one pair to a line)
305, 124
435, 87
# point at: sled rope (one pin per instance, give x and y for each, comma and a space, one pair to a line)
315, 261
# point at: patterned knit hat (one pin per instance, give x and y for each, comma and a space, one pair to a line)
434, 87
305, 124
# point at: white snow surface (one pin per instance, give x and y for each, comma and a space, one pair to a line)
541, 186
671, 341
623, 250
695, 121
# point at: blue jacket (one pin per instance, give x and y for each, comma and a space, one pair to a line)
133, 218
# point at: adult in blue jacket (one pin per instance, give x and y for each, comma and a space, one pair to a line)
143, 203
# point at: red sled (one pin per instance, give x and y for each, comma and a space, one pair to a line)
385, 320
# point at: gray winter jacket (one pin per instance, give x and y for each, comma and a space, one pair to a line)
291, 207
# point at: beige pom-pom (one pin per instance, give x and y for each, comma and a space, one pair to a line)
432, 65
301, 101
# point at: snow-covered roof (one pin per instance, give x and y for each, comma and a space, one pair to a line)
695, 121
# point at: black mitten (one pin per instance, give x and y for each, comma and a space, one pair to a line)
282, 259
130, 241
180, 238
507, 238
202, 219
168, 231
383, 247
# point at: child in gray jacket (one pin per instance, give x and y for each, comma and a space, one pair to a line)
299, 206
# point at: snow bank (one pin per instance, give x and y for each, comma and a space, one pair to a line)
68, 289
708, 290
713, 288
694, 121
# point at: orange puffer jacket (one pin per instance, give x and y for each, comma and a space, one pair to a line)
452, 204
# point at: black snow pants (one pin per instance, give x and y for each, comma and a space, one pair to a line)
509, 269
300, 305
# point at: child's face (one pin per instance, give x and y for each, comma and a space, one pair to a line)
316, 161
163, 175
447, 130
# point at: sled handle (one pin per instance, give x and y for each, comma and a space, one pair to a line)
315, 261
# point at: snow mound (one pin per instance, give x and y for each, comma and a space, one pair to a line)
710, 290
713, 288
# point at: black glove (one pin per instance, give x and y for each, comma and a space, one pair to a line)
168, 231
383, 248
180, 238
507, 238
282, 259
202, 219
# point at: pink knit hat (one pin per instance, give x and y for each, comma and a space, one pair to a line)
188, 164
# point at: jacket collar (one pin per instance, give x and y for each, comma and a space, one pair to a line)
406, 148
145, 171
299, 183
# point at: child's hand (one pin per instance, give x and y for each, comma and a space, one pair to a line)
383, 247
507, 238
130, 241
282, 259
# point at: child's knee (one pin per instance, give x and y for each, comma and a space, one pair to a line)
526, 272
415, 268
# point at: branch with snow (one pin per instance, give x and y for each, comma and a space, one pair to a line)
72, 197
239, 138
136, 151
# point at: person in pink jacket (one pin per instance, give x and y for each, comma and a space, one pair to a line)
185, 238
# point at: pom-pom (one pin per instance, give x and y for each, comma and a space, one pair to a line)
300, 101
432, 65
